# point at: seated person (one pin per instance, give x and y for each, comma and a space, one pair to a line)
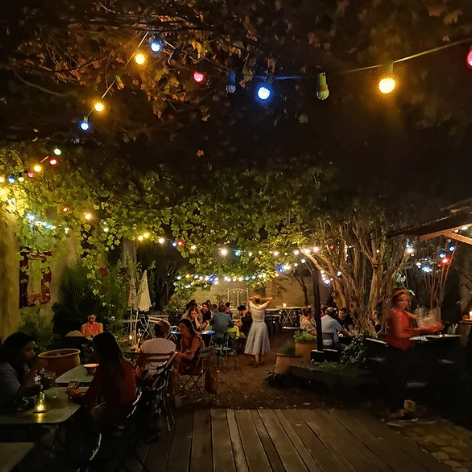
345, 320
18, 369
206, 315
330, 325
113, 382
307, 322
220, 322
157, 345
91, 328
193, 316
228, 309
245, 320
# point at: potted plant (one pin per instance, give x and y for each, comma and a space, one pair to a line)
285, 358
304, 344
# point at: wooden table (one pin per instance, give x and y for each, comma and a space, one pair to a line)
11, 454
59, 410
78, 374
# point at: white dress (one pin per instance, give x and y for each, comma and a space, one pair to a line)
258, 337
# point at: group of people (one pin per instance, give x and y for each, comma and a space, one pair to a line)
332, 325
249, 320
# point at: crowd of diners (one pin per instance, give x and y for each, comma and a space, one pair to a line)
113, 388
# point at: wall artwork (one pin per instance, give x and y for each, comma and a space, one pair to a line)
35, 277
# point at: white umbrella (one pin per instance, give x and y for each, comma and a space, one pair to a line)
144, 300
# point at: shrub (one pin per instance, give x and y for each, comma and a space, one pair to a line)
355, 354
288, 350
39, 326
303, 337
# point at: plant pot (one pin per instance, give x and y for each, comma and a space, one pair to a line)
61, 360
304, 349
283, 363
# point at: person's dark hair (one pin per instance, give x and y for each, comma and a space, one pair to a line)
205, 304
221, 307
228, 304
189, 325
307, 311
344, 310
331, 312
398, 293
110, 353
191, 304
11, 353
208, 303
241, 307
257, 300
162, 329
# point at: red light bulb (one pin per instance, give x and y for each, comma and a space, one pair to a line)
65, 209
180, 242
53, 161
469, 58
199, 77
30, 174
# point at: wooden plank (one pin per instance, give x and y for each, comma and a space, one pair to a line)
331, 441
326, 461
298, 443
202, 459
271, 453
179, 454
287, 452
238, 451
255, 455
398, 460
400, 442
156, 460
223, 460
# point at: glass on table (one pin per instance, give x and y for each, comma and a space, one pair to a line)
73, 387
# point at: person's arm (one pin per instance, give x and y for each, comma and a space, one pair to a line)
230, 322
268, 299
92, 392
100, 328
29, 379
404, 332
82, 329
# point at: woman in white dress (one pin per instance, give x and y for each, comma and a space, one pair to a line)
257, 343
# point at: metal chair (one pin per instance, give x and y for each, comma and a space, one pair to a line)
194, 376
221, 345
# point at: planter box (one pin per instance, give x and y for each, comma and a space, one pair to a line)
304, 350
284, 362
333, 378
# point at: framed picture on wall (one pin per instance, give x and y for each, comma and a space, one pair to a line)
35, 277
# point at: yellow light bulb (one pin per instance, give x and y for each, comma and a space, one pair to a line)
146, 235
38, 168
88, 216
387, 84
2, 179
162, 240
140, 237
140, 58
99, 106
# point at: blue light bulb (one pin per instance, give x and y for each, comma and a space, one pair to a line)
11, 179
264, 92
155, 45
84, 125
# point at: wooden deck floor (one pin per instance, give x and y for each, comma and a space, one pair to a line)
285, 440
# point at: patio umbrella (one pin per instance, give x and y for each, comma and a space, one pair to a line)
144, 299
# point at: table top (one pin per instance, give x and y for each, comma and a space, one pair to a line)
435, 337
209, 332
13, 453
59, 409
78, 373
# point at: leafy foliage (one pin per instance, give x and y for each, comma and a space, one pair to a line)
288, 350
37, 325
303, 337
355, 353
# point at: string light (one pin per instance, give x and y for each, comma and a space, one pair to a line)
387, 83
88, 216
161, 240
224, 252
53, 161
469, 58
323, 91
30, 174
84, 124
140, 58
21, 178
65, 209
11, 179
99, 106
264, 92
155, 45
37, 168
2, 179
57, 151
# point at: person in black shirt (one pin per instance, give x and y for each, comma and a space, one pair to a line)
344, 319
245, 321
206, 314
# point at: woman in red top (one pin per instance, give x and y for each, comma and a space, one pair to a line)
113, 382
404, 360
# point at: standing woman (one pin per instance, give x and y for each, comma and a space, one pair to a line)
257, 343
404, 360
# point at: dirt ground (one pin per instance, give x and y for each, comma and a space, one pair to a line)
246, 387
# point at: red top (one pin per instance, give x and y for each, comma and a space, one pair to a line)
399, 330
117, 390
92, 329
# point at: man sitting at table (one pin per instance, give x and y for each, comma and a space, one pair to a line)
91, 328
157, 345
220, 322
329, 325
